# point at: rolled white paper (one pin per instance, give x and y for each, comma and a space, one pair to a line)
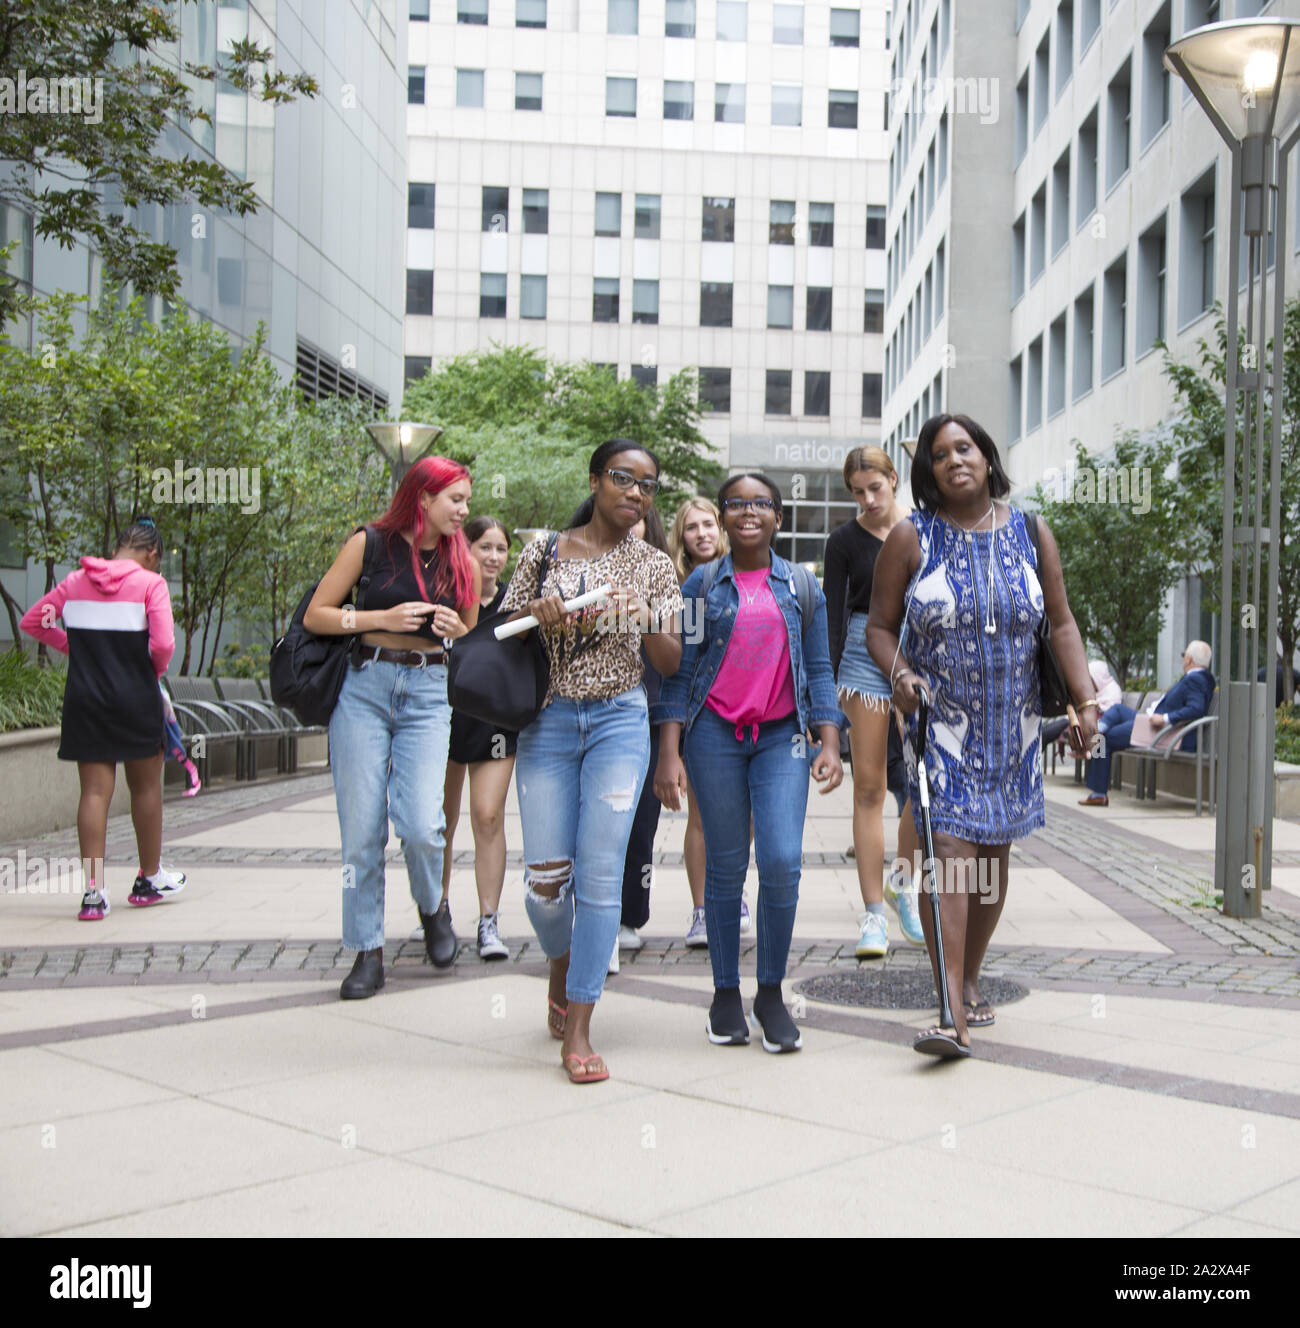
528, 622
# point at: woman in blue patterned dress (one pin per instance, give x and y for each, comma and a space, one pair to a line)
962, 573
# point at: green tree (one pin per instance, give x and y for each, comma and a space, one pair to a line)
65, 161
1198, 435
1117, 601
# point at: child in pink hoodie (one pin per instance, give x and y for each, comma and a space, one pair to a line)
118, 636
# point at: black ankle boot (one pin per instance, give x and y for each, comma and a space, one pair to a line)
366, 978
440, 942
780, 1033
726, 1025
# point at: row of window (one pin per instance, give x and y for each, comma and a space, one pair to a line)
678, 98
931, 58
930, 402
927, 189
716, 301
919, 319
623, 18
717, 219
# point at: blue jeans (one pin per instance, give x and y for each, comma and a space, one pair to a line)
768, 778
578, 772
1117, 727
388, 755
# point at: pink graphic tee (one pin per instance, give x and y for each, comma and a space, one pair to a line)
754, 684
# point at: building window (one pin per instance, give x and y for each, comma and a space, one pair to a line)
1015, 409
679, 100
645, 301
610, 369
469, 88
715, 391
645, 225
528, 92
604, 300
819, 309
1042, 85
415, 85
679, 18
419, 290
1089, 22
940, 283
620, 97
530, 13
787, 104
719, 224
1034, 386
419, 11
776, 396
1119, 104
821, 225
496, 209
492, 295
1114, 318
536, 211
1151, 287
419, 206
1061, 203
1064, 44
780, 225
532, 297
873, 310
622, 17
729, 103
1082, 345
842, 109
1018, 259
645, 375
1086, 170
845, 26
1038, 235
780, 306
875, 226
609, 214
472, 11
415, 367
1022, 119
787, 25
1155, 77
1056, 367
715, 304
733, 22
816, 392
1196, 250
871, 396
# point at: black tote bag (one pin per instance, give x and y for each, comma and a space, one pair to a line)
1051, 681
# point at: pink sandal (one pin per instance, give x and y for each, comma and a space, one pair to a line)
573, 1061
563, 1012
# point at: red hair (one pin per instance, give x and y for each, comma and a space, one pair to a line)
453, 574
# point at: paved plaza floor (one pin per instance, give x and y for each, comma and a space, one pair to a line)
1148, 1083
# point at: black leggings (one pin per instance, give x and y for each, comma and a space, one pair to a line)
641, 846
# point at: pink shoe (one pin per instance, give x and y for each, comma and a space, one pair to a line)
94, 906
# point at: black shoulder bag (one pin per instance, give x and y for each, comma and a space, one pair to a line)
1051, 681
502, 683
307, 671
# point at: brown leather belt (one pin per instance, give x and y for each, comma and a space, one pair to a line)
415, 659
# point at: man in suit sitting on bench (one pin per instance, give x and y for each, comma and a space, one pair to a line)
1188, 699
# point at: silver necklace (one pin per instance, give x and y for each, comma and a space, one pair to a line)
990, 618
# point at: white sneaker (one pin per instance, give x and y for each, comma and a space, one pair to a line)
873, 940
745, 920
698, 936
613, 959
629, 939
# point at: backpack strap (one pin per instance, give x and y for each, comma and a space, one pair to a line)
710, 576
367, 564
805, 588
1031, 524
547, 559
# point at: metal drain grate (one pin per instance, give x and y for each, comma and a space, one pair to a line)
896, 990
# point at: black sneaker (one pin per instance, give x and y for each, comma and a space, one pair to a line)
780, 1033
726, 1024
440, 942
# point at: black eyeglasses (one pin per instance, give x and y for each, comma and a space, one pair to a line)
741, 504
625, 480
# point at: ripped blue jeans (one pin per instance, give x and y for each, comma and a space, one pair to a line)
578, 773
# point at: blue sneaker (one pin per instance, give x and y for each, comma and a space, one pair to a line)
873, 941
903, 902
698, 936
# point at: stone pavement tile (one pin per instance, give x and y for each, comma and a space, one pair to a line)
1226, 1224
1166, 1149
875, 1088
1285, 878
104, 1165
1043, 908
41, 1085
636, 1160
926, 1191
1277, 1206
1284, 1050
402, 1199
284, 826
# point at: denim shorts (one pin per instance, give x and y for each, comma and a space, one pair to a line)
858, 674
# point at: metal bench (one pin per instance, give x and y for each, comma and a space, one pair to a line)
213, 724
268, 718
1166, 748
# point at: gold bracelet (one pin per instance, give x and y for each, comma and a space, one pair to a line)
1092, 701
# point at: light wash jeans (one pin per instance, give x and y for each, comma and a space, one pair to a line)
578, 772
388, 754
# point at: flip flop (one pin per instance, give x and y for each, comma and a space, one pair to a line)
573, 1061
563, 1012
979, 1014
940, 1042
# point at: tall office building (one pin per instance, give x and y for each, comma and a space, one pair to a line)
656, 184
1059, 203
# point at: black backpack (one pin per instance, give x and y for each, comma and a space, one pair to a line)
307, 671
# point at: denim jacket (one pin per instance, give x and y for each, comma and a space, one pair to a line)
706, 630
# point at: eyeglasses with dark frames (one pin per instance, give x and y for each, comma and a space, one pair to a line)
735, 505
625, 480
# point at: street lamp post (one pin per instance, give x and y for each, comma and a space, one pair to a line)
403, 444
1246, 76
